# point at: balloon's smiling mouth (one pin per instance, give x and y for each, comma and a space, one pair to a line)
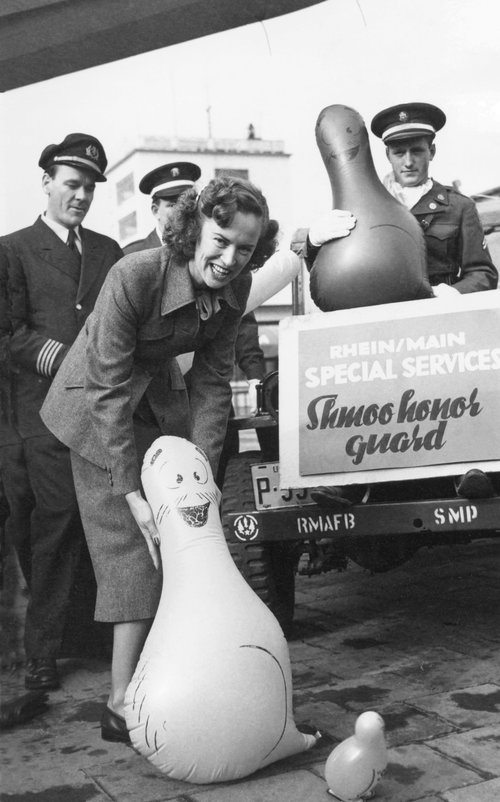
194, 516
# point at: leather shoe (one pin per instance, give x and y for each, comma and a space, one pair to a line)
114, 727
41, 674
474, 484
22, 709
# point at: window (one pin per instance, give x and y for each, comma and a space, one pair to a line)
127, 227
125, 188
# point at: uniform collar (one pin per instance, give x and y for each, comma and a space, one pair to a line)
436, 198
179, 290
408, 196
61, 231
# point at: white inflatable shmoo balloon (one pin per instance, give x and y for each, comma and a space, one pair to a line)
211, 698
355, 766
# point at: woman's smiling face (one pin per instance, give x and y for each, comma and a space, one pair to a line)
222, 253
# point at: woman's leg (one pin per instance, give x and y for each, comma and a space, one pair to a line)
128, 640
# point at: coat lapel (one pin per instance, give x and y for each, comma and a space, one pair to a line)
434, 201
52, 250
178, 288
93, 256
152, 241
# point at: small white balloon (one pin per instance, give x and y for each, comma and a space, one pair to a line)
356, 765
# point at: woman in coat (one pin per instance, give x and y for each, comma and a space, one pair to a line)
119, 388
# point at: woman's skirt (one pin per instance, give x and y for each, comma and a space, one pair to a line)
128, 584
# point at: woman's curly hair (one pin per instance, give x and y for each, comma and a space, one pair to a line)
219, 200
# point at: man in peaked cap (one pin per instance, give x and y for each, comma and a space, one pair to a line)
457, 256
165, 185
458, 259
56, 269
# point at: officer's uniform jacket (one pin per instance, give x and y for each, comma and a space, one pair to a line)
146, 314
456, 248
8, 434
151, 241
51, 295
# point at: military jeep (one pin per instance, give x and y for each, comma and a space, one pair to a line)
274, 533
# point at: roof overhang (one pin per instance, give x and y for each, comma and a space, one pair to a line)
41, 39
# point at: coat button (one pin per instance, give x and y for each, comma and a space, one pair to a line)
440, 197
432, 205
79, 307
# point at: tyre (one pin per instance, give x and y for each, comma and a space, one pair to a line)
382, 554
269, 568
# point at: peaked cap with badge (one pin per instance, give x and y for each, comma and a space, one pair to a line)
81, 151
170, 180
408, 120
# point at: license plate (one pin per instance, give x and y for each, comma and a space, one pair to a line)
267, 492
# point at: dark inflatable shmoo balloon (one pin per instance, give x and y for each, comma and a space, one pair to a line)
383, 258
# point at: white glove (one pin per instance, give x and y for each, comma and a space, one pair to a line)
444, 291
332, 225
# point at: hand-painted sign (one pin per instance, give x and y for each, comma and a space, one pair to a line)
402, 386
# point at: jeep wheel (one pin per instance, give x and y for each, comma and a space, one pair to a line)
382, 554
269, 568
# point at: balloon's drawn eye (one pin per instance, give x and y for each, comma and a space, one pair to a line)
200, 473
171, 476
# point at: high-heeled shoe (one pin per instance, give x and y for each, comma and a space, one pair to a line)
114, 727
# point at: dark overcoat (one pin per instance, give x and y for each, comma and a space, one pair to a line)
8, 434
51, 296
146, 314
151, 241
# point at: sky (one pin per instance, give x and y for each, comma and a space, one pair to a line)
278, 75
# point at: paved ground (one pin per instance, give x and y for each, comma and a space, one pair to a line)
420, 644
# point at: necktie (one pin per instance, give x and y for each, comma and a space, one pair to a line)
71, 243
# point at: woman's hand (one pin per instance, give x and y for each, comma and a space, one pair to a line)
331, 225
143, 516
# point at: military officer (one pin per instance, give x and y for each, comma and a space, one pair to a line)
164, 184
457, 255
56, 269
